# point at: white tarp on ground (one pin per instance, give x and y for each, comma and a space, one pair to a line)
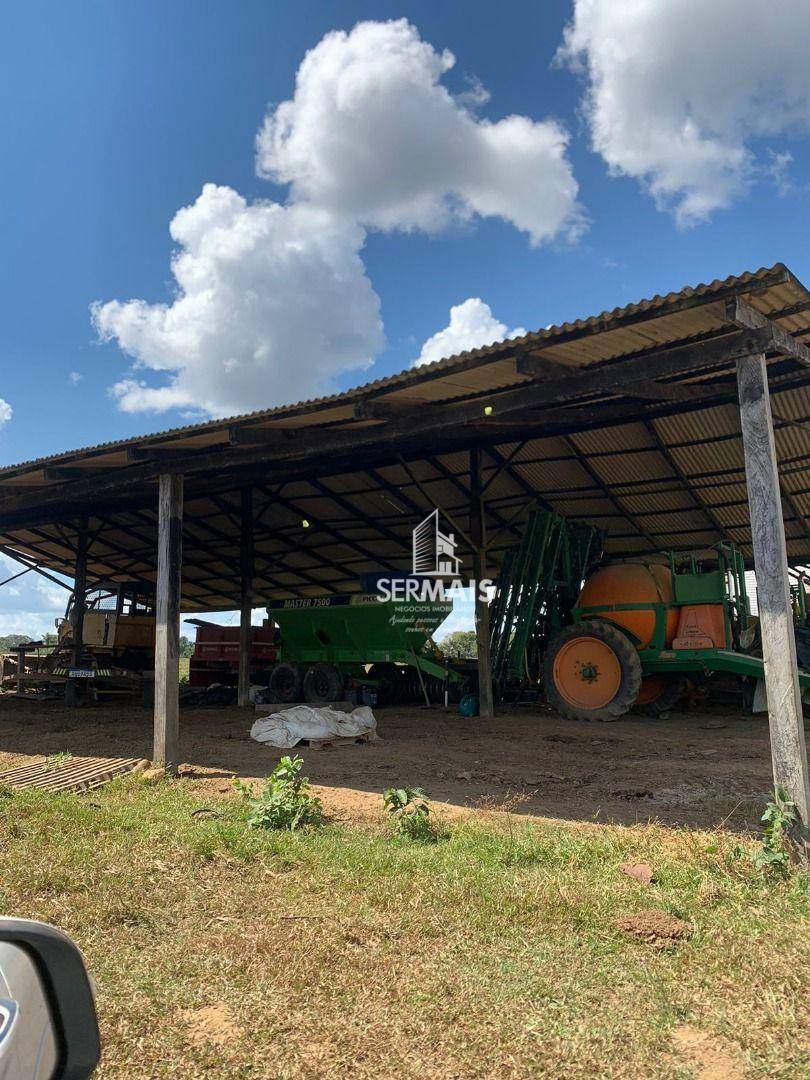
286, 729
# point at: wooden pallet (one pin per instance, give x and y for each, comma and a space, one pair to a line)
76, 774
334, 741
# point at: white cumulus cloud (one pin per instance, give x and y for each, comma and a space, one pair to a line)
472, 325
680, 93
372, 134
5, 412
272, 303
31, 604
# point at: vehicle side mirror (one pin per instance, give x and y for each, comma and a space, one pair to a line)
48, 1025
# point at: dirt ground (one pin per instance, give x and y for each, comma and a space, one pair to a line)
694, 768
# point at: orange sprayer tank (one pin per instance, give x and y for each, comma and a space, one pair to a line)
632, 583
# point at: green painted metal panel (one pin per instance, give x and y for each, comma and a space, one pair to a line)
356, 629
708, 588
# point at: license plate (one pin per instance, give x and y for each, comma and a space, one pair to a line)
81, 673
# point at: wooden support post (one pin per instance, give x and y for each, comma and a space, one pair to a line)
79, 593
246, 611
788, 749
485, 699
167, 630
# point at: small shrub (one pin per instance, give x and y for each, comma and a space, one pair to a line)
285, 801
411, 812
777, 822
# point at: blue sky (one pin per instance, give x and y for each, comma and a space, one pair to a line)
117, 115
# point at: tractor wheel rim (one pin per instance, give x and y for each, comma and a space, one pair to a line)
587, 673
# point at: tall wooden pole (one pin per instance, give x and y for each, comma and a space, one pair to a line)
246, 610
79, 592
788, 749
477, 534
167, 630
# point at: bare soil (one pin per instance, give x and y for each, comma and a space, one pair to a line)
655, 927
695, 768
710, 1057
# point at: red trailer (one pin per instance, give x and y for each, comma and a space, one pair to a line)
216, 653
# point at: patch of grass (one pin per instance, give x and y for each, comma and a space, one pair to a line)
332, 952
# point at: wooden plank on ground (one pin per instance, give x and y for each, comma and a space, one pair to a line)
73, 774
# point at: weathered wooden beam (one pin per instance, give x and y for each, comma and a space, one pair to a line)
239, 435
788, 749
9, 487
743, 314
653, 363
159, 455
486, 706
369, 409
326, 443
606, 412
542, 366
58, 473
167, 631
246, 598
657, 391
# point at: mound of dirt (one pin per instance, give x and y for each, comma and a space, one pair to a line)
654, 927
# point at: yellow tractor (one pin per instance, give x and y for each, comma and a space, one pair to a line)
117, 651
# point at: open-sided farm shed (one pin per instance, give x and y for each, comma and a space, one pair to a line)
672, 423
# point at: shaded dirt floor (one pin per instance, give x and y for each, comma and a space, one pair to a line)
699, 768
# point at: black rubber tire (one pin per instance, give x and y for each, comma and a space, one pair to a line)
390, 684
748, 689
666, 700
285, 683
629, 662
322, 684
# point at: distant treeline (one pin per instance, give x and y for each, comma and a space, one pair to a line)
8, 642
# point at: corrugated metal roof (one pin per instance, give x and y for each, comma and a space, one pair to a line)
666, 475
660, 320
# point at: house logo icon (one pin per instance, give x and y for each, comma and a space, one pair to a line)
434, 552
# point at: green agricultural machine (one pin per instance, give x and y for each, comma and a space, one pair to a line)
535, 594
636, 631
332, 645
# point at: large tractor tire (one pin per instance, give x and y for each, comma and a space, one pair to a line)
322, 685
285, 683
660, 694
592, 671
